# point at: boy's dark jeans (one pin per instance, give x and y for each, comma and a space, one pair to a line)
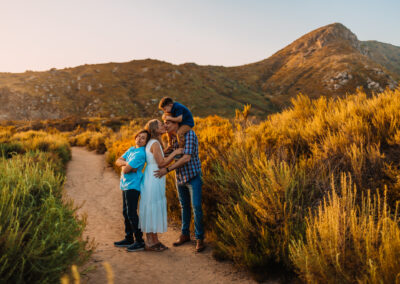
130, 200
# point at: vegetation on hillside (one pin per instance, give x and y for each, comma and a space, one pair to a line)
124, 89
385, 54
40, 232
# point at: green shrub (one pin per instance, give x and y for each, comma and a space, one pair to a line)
7, 150
261, 212
40, 235
37, 140
97, 142
92, 140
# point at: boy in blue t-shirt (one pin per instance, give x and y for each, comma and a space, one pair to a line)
177, 112
132, 163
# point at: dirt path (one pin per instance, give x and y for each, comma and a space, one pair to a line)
90, 182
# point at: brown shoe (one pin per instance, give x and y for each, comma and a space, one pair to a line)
200, 245
182, 239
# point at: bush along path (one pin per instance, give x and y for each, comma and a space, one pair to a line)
39, 235
94, 185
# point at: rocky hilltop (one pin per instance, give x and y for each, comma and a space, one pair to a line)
329, 61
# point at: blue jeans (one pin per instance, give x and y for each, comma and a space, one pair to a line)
190, 192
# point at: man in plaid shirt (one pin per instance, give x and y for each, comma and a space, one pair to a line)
189, 182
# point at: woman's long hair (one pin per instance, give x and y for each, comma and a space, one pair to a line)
152, 127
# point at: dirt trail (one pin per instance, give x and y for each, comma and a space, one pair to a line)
90, 182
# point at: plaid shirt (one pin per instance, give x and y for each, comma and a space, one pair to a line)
193, 167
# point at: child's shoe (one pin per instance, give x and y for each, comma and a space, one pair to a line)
124, 243
137, 246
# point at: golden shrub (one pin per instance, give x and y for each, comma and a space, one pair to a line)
348, 243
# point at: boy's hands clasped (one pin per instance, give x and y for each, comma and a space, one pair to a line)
166, 116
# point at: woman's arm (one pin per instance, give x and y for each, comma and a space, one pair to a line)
160, 160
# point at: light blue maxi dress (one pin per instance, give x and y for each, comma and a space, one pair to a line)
153, 203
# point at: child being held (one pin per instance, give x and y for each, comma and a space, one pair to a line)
176, 112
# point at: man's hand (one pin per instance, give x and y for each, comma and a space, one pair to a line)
160, 173
178, 151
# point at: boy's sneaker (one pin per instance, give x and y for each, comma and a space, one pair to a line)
124, 243
136, 246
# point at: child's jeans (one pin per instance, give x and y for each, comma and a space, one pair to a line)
182, 130
130, 200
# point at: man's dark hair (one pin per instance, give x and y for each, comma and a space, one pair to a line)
164, 102
143, 131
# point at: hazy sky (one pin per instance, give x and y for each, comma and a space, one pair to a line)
41, 34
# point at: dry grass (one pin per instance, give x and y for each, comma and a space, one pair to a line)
349, 240
261, 185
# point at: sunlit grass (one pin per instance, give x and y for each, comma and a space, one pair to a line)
349, 241
40, 234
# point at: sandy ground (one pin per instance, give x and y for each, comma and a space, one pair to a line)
91, 183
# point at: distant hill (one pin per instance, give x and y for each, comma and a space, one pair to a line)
328, 61
383, 53
133, 88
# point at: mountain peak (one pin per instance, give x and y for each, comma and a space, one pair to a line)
337, 31
323, 36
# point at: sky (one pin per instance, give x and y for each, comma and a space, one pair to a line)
43, 34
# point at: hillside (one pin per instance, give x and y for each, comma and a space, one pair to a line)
114, 89
383, 53
329, 61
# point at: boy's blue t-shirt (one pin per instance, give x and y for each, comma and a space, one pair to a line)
136, 158
187, 117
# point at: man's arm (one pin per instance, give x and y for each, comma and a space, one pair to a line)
185, 159
187, 154
162, 172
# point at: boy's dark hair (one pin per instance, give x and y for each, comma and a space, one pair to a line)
164, 102
143, 131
